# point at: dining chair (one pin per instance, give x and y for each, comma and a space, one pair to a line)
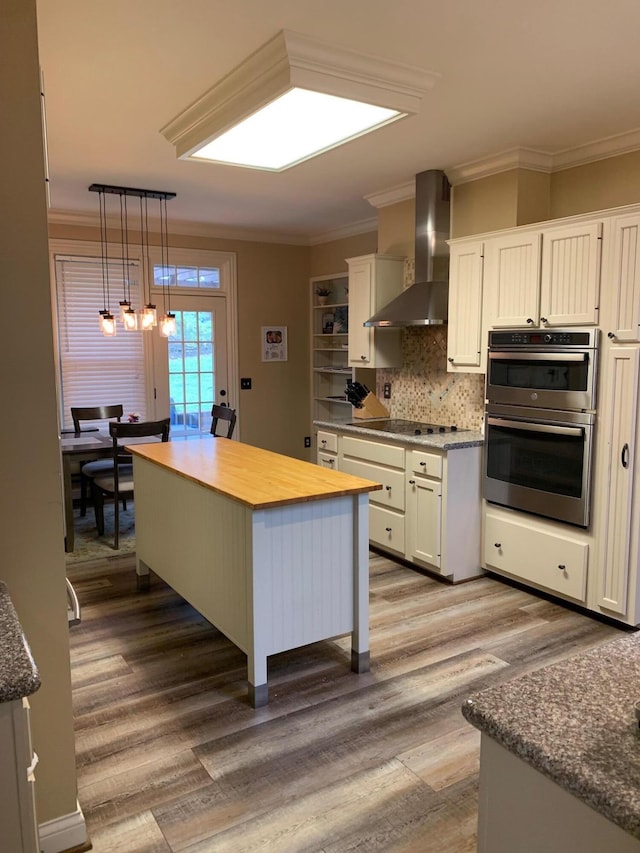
99, 466
223, 413
118, 483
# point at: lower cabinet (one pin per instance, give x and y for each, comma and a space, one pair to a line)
428, 510
18, 824
327, 443
536, 552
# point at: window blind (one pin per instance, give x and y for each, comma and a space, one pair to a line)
96, 370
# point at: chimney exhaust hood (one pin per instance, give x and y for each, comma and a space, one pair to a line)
425, 303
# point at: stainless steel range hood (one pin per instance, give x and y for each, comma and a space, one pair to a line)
425, 303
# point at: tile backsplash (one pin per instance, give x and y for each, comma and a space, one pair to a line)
422, 390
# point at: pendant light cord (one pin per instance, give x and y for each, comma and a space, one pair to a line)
104, 251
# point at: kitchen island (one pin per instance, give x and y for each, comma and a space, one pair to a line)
271, 550
560, 756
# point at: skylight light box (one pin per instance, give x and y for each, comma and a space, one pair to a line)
293, 99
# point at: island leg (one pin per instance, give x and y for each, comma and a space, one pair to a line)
360, 634
142, 576
258, 686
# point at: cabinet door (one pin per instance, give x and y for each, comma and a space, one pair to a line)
512, 279
619, 422
424, 499
625, 275
570, 278
465, 344
360, 309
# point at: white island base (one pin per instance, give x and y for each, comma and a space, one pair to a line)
270, 579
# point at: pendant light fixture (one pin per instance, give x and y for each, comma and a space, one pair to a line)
146, 318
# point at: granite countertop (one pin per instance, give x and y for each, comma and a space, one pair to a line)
446, 441
575, 722
18, 673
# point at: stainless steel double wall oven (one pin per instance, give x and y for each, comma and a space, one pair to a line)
539, 422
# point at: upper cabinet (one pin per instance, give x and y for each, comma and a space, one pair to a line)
549, 277
466, 345
622, 321
374, 280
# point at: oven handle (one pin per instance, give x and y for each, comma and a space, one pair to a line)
529, 427
539, 356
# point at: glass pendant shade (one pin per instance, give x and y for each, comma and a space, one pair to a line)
124, 305
107, 324
130, 320
168, 325
148, 318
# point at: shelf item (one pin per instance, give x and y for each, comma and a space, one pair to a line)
329, 347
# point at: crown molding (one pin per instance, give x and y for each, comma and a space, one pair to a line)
364, 226
601, 149
393, 195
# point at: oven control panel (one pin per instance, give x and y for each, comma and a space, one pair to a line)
545, 338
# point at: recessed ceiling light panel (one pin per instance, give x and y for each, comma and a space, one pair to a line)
293, 99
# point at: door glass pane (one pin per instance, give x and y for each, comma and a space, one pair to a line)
191, 376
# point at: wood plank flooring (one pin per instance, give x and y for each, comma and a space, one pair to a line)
171, 757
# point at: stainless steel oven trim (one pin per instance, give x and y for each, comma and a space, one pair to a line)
531, 427
548, 355
558, 507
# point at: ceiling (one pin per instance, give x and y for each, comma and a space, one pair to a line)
548, 75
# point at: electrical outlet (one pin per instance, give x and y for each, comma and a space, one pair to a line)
386, 390
307, 441
245, 384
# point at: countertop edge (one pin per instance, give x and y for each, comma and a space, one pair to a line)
19, 676
448, 441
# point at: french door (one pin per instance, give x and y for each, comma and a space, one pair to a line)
190, 368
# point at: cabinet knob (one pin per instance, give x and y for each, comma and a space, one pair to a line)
363, 358
331, 461
497, 544
423, 463
323, 442
388, 488
543, 320
611, 335
388, 529
412, 482
562, 567
529, 321
450, 359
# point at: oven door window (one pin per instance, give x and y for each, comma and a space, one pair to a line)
550, 462
552, 373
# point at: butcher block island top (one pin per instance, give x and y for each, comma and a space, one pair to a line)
259, 479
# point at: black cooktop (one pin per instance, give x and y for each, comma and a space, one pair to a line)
403, 427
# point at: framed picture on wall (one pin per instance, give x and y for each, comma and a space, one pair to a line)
274, 343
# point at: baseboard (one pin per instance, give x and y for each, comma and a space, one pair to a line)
63, 833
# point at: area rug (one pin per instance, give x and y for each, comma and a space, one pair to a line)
89, 546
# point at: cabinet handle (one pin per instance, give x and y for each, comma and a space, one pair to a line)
450, 359
624, 456
363, 358
388, 488
611, 335
388, 529
529, 321
562, 567
423, 463
412, 482
331, 461
497, 544
543, 320
323, 442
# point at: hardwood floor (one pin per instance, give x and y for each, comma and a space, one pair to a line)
171, 757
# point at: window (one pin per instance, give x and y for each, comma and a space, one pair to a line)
94, 370
186, 276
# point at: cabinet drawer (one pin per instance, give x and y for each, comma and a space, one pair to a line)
555, 562
328, 460
429, 464
392, 492
373, 451
386, 528
327, 441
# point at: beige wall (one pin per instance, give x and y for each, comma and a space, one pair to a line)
329, 258
596, 186
485, 205
31, 521
534, 197
396, 229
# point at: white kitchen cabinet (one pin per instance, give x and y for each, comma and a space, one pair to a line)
618, 564
549, 277
329, 348
622, 322
466, 334
18, 823
424, 512
374, 280
570, 275
544, 554
512, 278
